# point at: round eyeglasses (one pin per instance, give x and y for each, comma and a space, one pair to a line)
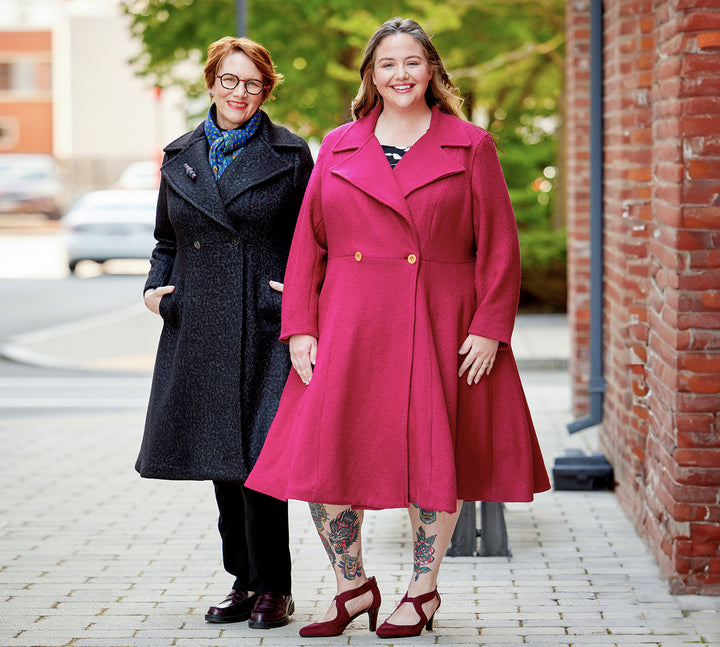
230, 82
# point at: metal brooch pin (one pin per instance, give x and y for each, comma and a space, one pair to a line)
190, 172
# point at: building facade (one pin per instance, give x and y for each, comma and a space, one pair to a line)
660, 332
25, 91
68, 88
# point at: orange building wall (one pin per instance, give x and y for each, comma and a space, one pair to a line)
33, 115
32, 139
25, 41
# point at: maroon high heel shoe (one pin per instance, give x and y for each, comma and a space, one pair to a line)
388, 630
336, 626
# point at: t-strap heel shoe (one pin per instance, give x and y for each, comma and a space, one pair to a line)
388, 630
337, 625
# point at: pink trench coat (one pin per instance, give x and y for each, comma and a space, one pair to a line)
390, 270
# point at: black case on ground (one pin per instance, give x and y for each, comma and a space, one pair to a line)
577, 470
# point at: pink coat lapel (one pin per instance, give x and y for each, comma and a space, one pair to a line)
363, 164
366, 168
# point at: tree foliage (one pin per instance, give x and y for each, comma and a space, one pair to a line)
505, 55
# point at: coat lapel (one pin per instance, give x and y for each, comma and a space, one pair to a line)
365, 165
426, 162
256, 163
201, 192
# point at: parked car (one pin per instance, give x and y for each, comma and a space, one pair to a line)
31, 183
140, 175
110, 224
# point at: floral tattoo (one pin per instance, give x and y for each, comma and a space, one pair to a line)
344, 531
426, 516
424, 553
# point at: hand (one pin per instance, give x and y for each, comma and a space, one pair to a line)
479, 357
303, 350
277, 286
153, 296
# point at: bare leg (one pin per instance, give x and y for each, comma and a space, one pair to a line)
432, 533
339, 529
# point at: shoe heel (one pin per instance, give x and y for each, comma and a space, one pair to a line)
372, 618
429, 624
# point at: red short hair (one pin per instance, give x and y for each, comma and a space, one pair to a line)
218, 50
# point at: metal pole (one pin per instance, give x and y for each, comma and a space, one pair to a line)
464, 539
493, 531
241, 18
596, 387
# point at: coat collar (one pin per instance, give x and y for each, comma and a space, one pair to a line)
426, 162
260, 160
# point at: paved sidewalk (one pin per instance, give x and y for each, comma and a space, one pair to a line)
91, 555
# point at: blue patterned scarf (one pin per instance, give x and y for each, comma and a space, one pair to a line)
226, 144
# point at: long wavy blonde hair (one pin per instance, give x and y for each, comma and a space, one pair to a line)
441, 91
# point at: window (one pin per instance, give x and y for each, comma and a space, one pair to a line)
5, 76
25, 75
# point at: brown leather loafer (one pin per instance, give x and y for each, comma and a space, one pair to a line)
271, 610
236, 607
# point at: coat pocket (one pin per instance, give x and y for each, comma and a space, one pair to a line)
269, 303
169, 308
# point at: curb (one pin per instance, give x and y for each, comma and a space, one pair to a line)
15, 348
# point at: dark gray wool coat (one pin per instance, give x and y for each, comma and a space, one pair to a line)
220, 368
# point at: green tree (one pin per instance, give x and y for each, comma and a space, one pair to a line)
505, 55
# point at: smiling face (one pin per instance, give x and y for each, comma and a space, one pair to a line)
401, 72
235, 107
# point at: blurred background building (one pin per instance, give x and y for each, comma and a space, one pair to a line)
67, 89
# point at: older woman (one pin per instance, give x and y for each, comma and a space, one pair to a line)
400, 298
229, 198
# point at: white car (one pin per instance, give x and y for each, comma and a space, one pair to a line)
108, 225
140, 175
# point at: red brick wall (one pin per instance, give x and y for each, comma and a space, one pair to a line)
661, 420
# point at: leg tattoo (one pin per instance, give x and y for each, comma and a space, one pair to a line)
319, 515
426, 516
328, 550
344, 531
350, 567
339, 530
424, 552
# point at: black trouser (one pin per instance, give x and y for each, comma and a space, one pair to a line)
255, 539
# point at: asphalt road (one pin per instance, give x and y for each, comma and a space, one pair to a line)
38, 292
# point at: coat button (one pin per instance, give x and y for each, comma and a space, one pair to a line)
234, 241
358, 256
196, 244
412, 259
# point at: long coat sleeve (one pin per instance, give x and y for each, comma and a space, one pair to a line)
391, 269
220, 368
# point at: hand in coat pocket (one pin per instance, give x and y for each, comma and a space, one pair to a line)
153, 296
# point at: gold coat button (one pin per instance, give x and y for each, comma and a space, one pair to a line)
235, 241
412, 259
196, 244
358, 256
